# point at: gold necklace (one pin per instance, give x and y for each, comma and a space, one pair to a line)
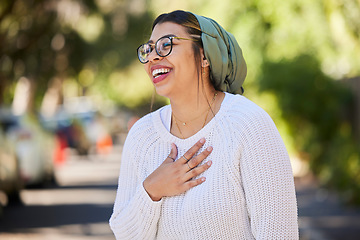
184, 123
182, 136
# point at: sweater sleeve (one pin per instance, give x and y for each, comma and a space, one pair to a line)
135, 215
268, 181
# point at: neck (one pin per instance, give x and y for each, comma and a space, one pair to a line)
193, 112
189, 106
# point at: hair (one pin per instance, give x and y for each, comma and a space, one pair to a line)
192, 26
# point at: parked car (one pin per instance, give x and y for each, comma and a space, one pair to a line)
34, 148
70, 129
10, 180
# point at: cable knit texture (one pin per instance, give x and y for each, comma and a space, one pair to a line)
249, 189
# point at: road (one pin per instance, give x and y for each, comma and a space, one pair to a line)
322, 214
78, 208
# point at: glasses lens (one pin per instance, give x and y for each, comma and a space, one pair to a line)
143, 52
163, 46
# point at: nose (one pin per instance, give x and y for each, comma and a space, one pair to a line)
153, 56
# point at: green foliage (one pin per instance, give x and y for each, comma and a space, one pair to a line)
43, 40
67, 40
315, 108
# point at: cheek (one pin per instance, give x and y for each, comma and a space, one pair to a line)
147, 69
184, 60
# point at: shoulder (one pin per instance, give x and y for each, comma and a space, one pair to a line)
144, 123
251, 125
242, 111
144, 128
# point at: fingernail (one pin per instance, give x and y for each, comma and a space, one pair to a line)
209, 149
209, 163
203, 179
202, 140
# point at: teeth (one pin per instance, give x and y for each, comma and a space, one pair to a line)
158, 71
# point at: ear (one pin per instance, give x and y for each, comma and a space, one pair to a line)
204, 62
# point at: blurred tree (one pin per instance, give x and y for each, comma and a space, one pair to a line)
51, 41
24, 30
88, 43
316, 109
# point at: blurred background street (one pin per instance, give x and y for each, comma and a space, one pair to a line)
78, 208
71, 86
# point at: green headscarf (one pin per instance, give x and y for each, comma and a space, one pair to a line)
227, 64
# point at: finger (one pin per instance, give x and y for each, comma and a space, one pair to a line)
173, 153
187, 164
194, 183
199, 158
191, 152
197, 171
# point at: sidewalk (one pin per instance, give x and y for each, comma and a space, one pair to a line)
322, 216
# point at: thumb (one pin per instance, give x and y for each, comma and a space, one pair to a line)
173, 153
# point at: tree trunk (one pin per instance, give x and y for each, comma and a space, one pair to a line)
52, 97
24, 96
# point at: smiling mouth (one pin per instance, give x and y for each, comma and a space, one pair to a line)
160, 71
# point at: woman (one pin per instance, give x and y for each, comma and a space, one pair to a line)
211, 165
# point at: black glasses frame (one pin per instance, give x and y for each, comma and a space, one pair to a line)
154, 45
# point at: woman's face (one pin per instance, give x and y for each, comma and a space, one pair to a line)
178, 76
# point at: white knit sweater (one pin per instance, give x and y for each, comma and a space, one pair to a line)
249, 189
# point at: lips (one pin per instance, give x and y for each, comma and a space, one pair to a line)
159, 73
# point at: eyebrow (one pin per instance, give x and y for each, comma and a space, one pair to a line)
168, 35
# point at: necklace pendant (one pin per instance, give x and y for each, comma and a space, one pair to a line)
184, 124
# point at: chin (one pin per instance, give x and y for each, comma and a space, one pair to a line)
162, 92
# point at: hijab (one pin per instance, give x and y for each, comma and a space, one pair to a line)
224, 55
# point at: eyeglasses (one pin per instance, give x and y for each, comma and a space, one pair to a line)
163, 47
